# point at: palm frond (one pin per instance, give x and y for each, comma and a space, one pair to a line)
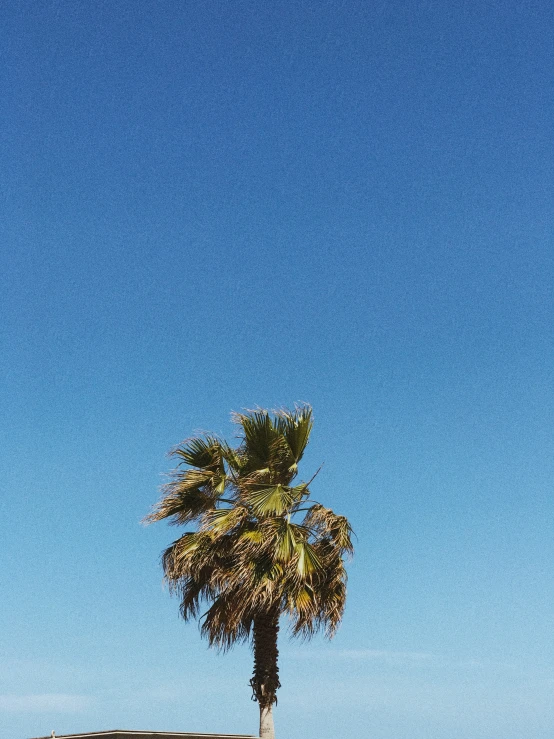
177, 558
258, 434
232, 457
275, 500
308, 560
226, 622
326, 522
223, 520
250, 537
286, 541
296, 427
203, 452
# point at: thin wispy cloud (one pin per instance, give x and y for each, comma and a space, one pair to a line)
52, 702
34, 669
367, 655
384, 655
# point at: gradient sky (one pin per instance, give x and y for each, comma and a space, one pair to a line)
207, 206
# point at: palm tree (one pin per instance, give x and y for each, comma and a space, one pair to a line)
261, 547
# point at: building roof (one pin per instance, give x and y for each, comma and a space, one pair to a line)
126, 734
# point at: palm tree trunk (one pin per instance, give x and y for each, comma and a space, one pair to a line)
267, 729
265, 680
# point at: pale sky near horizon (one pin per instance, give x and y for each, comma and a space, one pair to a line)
207, 206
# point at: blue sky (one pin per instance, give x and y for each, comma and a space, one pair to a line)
208, 206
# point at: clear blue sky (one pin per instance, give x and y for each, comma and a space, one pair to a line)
207, 206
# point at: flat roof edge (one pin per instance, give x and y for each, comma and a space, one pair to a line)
124, 732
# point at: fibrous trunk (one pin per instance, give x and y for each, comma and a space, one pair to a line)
265, 680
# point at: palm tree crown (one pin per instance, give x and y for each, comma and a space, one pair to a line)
261, 547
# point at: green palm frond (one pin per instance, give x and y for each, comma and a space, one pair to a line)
199, 451
250, 537
303, 600
259, 434
188, 495
308, 561
296, 427
232, 457
274, 500
223, 520
286, 541
180, 508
